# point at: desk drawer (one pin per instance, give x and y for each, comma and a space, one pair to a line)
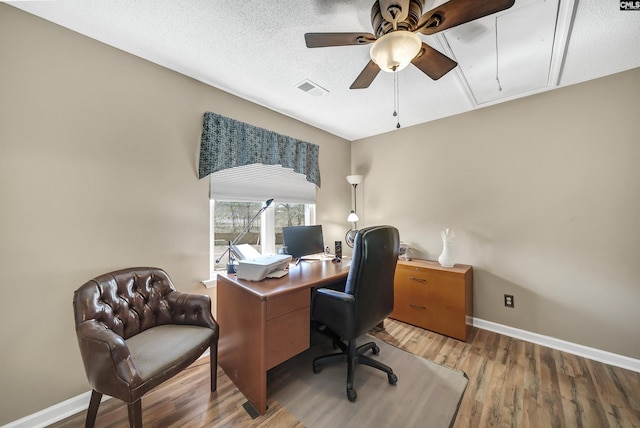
288, 318
289, 302
287, 336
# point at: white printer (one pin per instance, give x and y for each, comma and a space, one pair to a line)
258, 268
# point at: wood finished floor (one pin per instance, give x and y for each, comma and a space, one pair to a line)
512, 383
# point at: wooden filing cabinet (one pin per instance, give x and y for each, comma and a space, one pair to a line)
434, 297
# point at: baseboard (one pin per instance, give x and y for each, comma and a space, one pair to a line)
210, 283
561, 345
60, 411
55, 413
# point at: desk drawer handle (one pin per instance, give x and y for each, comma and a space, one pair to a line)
417, 307
413, 278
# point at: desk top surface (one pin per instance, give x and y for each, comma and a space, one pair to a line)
306, 274
430, 264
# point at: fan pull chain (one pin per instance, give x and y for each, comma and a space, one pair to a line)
396, 98
497, 66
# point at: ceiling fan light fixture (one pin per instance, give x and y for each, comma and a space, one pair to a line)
395, 50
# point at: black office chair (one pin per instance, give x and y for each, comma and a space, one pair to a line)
366, 301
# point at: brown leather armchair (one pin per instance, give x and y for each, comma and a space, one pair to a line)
135, 330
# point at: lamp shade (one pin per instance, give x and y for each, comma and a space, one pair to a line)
353, 217
354, 179
395, 50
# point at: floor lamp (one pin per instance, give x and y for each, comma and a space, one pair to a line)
350, 237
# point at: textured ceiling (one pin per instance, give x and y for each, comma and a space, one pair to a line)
256, 50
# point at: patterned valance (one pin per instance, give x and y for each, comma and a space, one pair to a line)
228, 143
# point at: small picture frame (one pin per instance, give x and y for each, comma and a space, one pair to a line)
404, 253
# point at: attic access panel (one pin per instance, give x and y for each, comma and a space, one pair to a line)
525, 39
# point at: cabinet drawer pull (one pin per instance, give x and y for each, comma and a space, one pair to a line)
417, 307
413, 278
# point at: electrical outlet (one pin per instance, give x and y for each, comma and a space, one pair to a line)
508, 301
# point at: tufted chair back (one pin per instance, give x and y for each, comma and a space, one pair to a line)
132, 300
135, 330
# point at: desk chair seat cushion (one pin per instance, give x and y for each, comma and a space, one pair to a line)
161, 350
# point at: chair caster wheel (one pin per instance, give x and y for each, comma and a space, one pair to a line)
375, 350
352, 394
393, 379
316, 368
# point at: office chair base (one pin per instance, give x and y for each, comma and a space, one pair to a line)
352, 394
352, 356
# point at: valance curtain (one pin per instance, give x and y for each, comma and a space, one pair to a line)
228, 143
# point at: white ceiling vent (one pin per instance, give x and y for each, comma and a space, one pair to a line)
312, 88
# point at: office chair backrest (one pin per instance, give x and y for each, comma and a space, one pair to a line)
370, 280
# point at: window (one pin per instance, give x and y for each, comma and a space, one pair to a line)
238, 194
230, 218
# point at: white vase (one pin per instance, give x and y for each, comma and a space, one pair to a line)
446, 259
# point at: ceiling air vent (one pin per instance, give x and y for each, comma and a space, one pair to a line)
312, 88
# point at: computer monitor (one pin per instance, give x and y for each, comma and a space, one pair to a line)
303, 240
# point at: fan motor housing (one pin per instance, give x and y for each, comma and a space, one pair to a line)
381, 26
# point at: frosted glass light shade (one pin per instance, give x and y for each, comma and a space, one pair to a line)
354, 179
395, 50
353, 217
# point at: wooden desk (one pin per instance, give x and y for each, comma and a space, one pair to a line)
266, 322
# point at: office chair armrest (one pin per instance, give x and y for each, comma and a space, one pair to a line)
334, 294
192, 309
107, 360
334, 309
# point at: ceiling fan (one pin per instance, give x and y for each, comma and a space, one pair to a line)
395, 42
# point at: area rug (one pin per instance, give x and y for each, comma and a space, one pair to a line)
427, 394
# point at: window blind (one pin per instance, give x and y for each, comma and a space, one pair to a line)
259, 182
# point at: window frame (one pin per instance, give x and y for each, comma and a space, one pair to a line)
267, 229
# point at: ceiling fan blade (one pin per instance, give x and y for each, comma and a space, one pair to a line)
432, 62
322, 40
366, 76
456, 12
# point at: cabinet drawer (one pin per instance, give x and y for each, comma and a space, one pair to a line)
406, 310
407, 278
448, 321
431, 289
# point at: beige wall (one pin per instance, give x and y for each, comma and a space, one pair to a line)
98, 155
543, 194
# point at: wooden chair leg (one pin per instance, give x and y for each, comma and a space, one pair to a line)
92, 412
135, 414
213, 362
